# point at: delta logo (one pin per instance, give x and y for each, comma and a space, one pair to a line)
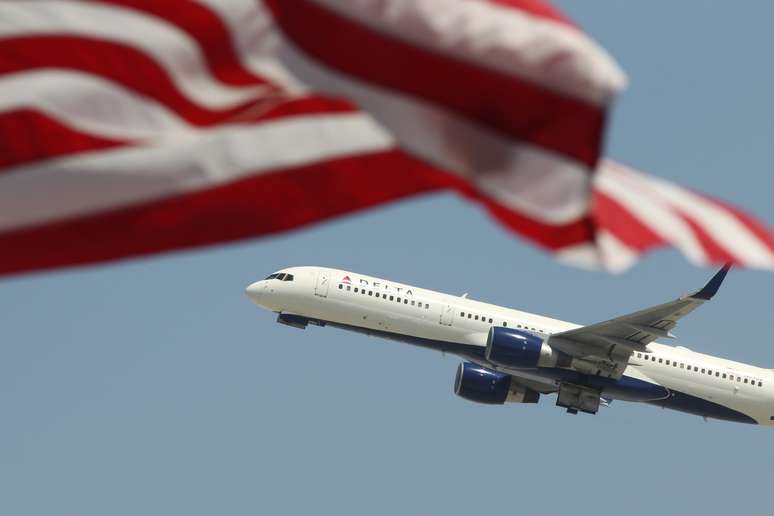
346, 280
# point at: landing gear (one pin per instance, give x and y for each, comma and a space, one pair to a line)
578, 398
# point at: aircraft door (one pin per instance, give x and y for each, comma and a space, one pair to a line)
447, 315
321, 286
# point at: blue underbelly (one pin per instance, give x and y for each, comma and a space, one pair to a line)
625, 388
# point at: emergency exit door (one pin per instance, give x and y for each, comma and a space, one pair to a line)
321, 286
447, 315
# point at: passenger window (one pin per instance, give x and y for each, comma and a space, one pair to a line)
760, 384
639, 355
702, 370
660, 360
370, 292
724, 376
427, 306
341, 286
349, 287
377, 294
462, 314
470, 316
412, 302
355, 290
476, 318
405, 301
490, 319
682, 366
745, 380
392, 298
505, 323
717, 374
667, 362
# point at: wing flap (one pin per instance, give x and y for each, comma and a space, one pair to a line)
609, 344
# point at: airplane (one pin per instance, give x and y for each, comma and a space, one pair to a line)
510, 356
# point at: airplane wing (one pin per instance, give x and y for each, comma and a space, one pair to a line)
604, 348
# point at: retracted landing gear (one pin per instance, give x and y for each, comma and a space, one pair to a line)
577, 398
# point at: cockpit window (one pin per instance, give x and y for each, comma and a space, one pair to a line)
281, 276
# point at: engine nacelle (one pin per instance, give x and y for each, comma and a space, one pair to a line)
476, 383
514, 348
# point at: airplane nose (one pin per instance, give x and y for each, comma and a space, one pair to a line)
254, 291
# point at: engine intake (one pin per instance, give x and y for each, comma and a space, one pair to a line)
513, 348
481, 385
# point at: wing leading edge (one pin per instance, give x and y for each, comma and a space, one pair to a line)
604, 348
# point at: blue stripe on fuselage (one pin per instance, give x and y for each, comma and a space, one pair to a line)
624, 388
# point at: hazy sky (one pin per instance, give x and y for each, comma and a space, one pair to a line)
155, 387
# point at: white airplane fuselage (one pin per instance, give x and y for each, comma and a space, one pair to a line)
668, 376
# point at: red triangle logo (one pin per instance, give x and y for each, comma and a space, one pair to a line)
346, 280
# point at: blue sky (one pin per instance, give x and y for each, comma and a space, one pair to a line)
153, 386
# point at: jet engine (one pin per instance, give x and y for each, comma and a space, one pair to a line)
514, 348
476, 383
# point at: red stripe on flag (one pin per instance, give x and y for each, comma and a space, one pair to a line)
538, 8
517, 108
714, 251
248, 208
763, 233
612, 216
207, 29
551, 238
27, 135
120, 63
258, 205
548, 236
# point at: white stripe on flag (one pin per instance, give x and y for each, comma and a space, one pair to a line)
653, 212
173, 49
723, 226
91, 104
108, 180
523, 177
256, 40
503, 38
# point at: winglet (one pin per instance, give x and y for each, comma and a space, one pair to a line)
712, 286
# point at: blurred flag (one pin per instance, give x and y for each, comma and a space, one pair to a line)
131, 127
635, 213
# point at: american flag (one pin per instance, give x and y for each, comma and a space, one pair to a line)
131, 127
